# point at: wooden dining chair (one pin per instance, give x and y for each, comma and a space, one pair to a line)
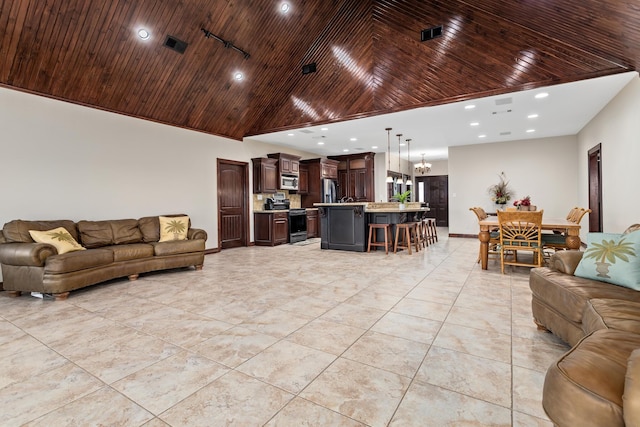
494, 234
557, 241
520, 231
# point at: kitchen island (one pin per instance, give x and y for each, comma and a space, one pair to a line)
344, 226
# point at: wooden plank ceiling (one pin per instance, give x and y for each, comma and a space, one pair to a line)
369, 56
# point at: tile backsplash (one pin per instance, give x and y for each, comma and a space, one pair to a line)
295, 200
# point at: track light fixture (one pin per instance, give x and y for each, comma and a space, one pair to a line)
227, 44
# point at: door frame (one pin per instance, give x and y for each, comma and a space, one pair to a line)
245, 199
595, 188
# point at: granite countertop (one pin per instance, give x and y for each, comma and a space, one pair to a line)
271, 211
394, 210
341, 204
381, 207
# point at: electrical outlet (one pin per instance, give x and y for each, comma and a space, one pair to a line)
259, 196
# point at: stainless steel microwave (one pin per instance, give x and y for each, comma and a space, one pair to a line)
288, 182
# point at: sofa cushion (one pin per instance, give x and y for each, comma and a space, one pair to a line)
611, 314
585, 386
18, 230
173, 228
59, 238
80, 260
150, 227
569, 294
132, 251
631, 396
612, 258
178, 247
95, 234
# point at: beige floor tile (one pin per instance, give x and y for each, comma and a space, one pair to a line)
163, 384
308, 305
477, 342
156, 422
354, 315
358, 391
233, 399
486, 320
373, 299
287, 365
397, 355
278, 323
481, 378
525, 420
301, 412
104, 407
420, 308
408, 327
38, 395
234, 346
330, 337
527, 392
437, 294
29, 363
429, 405
535, 354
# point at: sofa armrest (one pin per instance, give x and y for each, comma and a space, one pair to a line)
30, 254
565, 261
631, 396
196, 233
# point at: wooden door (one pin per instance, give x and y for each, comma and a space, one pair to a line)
435, 191
233, 204
595, 189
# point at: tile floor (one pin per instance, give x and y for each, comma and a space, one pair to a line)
284, 336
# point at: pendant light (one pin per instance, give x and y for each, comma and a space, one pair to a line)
389, 177
409, 182
399, 167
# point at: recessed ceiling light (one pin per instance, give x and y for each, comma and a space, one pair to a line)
402, 144
469, 107
324, 129
530, 130
320, 143
353, 139
285, 7
374, 147
346, 150
532, 116
482, 136
542, 95
238, 76
290, 134
143, 34
474, 124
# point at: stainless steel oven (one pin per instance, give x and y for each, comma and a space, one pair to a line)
297, 225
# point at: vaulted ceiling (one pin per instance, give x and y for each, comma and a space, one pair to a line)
369, 56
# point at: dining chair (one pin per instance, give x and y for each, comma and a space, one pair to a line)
520, 231
494, 234
557, 240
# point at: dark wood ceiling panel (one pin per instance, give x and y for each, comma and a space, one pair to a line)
368, 53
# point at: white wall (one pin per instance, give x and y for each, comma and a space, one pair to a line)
617, 128
64, 161
545, 169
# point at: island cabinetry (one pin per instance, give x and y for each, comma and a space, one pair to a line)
271, 228
356, 177
265, 175
343, 227
312, 223
288, 164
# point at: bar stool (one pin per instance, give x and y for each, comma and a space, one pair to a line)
405, 231
373, 238
432, 232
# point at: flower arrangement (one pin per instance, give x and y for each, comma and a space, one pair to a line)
526, 201
500, 192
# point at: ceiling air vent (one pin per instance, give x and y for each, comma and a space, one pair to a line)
506, 133
306, 131
504, 101
175, 44
431, 33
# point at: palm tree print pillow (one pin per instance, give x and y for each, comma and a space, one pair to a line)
173, 228
59, 238
612, 258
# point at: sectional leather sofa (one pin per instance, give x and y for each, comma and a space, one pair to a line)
112, 249
597, 382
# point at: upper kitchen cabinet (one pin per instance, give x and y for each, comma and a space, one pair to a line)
288, 164
265, 175
329, 168
316, 171
356, 177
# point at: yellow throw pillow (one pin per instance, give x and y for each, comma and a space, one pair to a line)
173, 228
59, 238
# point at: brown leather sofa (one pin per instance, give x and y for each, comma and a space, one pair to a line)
596, 383
115, 248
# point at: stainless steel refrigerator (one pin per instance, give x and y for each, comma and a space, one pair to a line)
329, 190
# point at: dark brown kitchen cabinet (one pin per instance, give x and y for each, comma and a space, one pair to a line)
271, 228
318, 169
288, 164
312, 223
356, 177
265, 175
303, 180
329, 169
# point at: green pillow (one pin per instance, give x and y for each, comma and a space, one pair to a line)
612, 258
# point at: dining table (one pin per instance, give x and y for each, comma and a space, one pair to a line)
571, 229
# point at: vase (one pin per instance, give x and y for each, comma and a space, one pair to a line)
500, 206
402, 206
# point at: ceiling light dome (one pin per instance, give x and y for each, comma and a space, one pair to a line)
143, 34
285, 7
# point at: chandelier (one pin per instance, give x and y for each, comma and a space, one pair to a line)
422, 167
